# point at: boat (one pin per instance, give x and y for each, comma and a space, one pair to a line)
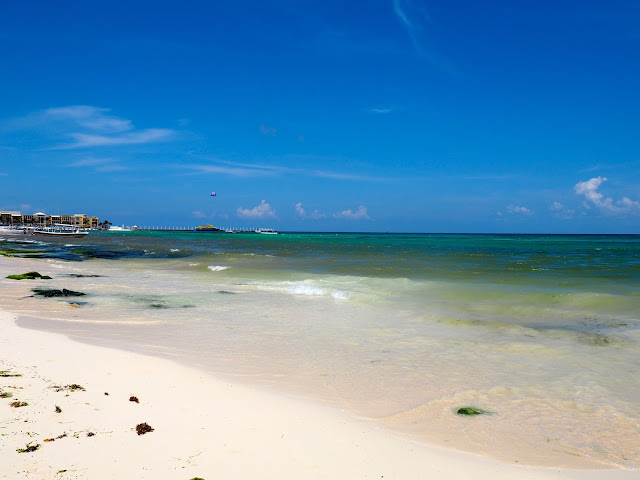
115, 228
206, 228
59, 230
267, 231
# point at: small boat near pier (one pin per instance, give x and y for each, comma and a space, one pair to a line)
58, 230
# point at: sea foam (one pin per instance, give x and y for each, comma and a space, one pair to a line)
216, 268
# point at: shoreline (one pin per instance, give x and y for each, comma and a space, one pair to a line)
203, 426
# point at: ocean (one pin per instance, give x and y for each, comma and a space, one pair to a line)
542, 331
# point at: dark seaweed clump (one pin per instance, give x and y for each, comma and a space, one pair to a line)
29, 448
29, 276
5, 373
80, 275
54, 292
472, 411
74, 387
22, 253
18, 404
143, 428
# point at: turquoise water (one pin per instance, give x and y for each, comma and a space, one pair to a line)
542, 330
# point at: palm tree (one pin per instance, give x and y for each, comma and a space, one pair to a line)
105, 225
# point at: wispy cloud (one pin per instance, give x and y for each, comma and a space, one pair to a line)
245, 169
200, 214
559, 210
150, 135
268, 131
359, 214
380, 110
89, 117
349, 176
609, 166
589, 189
98, 164
491, 176
263, 210
413, 17
518, 210
87, 126
235, 169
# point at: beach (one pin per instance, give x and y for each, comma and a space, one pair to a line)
216, 414
203, 427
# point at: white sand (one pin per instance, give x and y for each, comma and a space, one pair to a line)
204, 427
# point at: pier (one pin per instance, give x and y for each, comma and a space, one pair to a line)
192, 229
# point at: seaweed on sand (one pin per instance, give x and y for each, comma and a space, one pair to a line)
4, 394
47, 440
473, 411
143, 428
134, 399
29, 448
5, 373
72, 388
22, 253
18, 404
28, 276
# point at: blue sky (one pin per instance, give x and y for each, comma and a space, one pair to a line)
395, 115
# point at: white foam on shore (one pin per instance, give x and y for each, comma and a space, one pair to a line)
217, 268
307, 288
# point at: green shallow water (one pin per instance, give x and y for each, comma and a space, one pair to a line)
544, 330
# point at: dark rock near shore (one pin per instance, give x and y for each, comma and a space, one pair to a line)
54, 292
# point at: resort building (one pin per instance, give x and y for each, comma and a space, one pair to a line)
40, 219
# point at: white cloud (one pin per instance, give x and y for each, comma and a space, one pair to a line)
518, 210
263, 210
360, 213
589, 190
316, 214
